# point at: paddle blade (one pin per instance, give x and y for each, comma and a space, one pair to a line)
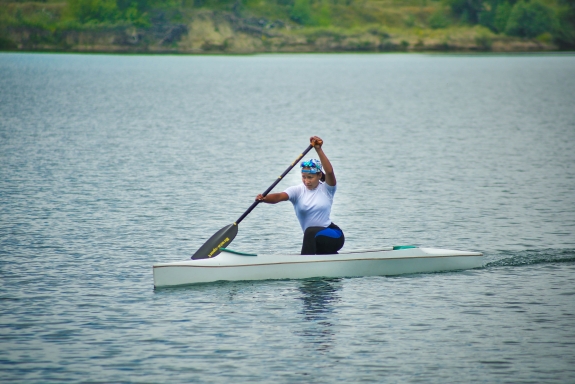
220, 239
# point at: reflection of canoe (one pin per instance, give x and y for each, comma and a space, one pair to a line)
230, 265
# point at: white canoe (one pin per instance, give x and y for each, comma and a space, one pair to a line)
232, 266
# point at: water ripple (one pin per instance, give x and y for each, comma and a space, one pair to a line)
109, 164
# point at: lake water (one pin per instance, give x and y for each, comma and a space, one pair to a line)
109, 164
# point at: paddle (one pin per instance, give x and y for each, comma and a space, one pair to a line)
224, 236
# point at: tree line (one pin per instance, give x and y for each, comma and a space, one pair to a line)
545, 20
521, 18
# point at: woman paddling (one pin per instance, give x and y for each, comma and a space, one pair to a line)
312, 202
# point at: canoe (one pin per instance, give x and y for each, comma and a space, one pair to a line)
233, 266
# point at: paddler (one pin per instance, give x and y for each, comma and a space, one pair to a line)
312, 201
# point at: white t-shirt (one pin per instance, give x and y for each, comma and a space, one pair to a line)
312, 208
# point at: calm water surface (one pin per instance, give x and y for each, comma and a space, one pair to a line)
109, 164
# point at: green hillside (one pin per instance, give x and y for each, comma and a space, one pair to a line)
245, 26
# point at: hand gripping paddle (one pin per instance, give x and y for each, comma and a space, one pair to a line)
224, 236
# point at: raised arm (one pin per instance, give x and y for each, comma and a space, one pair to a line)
326, 165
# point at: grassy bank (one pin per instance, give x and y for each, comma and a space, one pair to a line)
249, 26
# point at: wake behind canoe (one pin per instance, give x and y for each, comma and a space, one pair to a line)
234, 266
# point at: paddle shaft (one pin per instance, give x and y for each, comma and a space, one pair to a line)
224, 236
273, 185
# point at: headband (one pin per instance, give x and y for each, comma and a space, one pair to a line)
313, 165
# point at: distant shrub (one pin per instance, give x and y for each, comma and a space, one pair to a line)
467, 10
565, 35
323, 18
135, 17
483, 40
7, 44
378, 31
530, 19
502, 16
409, 21
438, 20
94, 10
306, 13
545, 38
486, 18
301, 12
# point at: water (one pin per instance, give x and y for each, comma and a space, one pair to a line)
109, 164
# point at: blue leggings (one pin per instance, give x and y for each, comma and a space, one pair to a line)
322, 240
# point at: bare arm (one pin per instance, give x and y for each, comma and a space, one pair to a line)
273, 198
326, 165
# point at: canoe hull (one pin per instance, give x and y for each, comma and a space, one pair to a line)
233, 267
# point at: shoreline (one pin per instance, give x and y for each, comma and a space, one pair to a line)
438, 53
223, 33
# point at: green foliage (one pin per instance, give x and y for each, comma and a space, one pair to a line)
467, 10
495, 15
110, 11
565, 34
545, 38
438, 19
323, 18
307, 14
484, 40
531, 19
409, 21
135, 17
95, 11
301, 12
486, 18
502, 16
414, 22
527, 18
6, 44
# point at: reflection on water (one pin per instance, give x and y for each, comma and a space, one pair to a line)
318, 297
